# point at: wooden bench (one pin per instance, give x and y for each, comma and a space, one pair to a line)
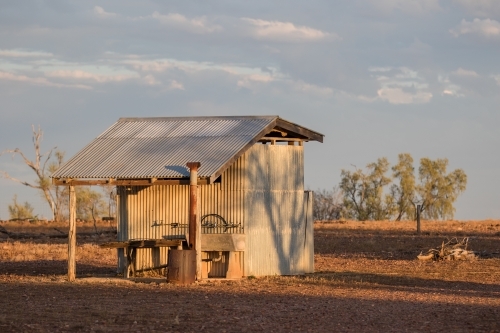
131, 246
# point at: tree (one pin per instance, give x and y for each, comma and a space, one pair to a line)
89, 204
42, 170
364, 197
438, 190
327, 205
404, 192
20, 211
59, 193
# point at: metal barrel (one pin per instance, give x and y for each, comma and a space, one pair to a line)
181, 266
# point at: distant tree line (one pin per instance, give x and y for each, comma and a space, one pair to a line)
382, 192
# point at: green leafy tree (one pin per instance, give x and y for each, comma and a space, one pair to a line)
439, 190
364, 197
403, 193
90, 204
436, 191
20, 211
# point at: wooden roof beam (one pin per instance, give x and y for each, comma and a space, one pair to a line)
126, 182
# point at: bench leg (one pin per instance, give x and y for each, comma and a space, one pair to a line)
130, 261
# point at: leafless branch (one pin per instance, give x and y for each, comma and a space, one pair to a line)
7, 176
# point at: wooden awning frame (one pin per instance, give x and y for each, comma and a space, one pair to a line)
126, 182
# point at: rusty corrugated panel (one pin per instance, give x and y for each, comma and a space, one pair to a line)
225, 199
160, 147
147, 212
152, 212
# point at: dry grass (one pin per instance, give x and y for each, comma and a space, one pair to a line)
54, 228
367, 279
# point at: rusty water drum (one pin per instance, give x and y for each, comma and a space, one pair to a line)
181, 266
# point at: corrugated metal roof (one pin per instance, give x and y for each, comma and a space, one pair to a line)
135, 148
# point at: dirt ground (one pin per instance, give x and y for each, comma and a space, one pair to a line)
367, 280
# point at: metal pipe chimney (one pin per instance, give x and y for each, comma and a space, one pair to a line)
193, 203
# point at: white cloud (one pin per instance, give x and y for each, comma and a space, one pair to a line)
252, 81
399, 96
400, 85
24, 54
150, 80
465, 73
496, 78
84, 75
199, 25
463, 82
412, 7
156, 65
312, 89
482, 8
486, 27
99, 11
285, 31
176, 85
41, 81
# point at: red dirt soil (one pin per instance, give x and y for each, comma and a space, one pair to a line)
367, 280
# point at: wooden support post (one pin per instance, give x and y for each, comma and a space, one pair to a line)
198, 239
194, 223
72, 235
419, 208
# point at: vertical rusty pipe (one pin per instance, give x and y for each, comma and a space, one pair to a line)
193, 202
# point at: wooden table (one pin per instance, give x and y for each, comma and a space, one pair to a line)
131, 246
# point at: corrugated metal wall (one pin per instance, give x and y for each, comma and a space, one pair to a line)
225, 199
155, 212
278, 212
261, 195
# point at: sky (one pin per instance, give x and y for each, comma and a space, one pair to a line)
376, 77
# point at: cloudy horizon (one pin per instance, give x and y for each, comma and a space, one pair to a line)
376, 77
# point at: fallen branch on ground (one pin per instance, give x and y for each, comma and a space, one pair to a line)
451, 250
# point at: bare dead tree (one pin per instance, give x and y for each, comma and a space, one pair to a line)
40, 167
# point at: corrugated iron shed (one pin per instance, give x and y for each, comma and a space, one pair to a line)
142, 148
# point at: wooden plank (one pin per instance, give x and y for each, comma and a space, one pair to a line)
146, 243
125, 182
114, 245
150, 243
72, 235
288, 126
278, 139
